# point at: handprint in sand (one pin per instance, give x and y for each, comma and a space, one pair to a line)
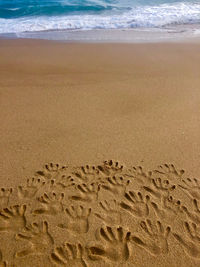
86, 193
13, 219
138, 174
86, 174
39, 239
31, 188
191, 243
168, 207
65, 181
110, 168
169, 172
191, 187
195, 214
77, 219
5, 194
110, 213
69, 255
160, 188
114, 245
116, 185
2, 262
52, 204
136, 204
52, 171
156, 242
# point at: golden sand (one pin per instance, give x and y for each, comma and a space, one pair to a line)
100, 144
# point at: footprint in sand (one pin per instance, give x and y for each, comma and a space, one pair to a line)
13, 219
39, 238
156, 237
136, 204
77, 219
191, 244
114, 245
69, 255
110, 212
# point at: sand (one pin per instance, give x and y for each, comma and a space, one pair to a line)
100, 152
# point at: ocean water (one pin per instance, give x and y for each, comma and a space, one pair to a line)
17, 16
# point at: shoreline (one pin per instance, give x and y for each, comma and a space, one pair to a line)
179, 33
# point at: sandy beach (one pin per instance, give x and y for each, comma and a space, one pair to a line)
108, 136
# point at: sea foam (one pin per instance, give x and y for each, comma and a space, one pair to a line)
139, 16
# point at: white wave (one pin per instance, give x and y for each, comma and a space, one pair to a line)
197, 32
13, 9
148, 16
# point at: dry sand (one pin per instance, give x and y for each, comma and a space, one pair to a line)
114, 107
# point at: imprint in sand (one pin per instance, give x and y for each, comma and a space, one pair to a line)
103, 215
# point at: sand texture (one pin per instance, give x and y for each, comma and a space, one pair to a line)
100, 154
104, 215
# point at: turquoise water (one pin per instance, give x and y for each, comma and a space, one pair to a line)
40, 15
